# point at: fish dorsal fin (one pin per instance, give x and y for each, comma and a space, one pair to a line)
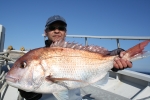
90, 48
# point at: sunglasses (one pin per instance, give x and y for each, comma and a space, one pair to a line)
52, 28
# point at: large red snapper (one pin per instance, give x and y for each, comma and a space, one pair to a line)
64, 66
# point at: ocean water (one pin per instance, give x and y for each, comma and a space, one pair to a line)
145, 73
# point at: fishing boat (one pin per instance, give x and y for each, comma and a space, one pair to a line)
122, 85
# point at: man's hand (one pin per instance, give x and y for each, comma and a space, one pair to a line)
120, 63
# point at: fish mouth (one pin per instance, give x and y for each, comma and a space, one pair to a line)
11, 79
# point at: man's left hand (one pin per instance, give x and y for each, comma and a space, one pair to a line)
120, 63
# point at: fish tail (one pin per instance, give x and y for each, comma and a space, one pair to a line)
137, 51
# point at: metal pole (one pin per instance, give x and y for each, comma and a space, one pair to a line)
118, 44
2, 39
86, 42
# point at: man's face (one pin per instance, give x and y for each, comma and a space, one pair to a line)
56, 31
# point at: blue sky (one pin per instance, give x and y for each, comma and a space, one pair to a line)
24, 21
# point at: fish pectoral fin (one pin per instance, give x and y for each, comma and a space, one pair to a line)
102, 82
55, 80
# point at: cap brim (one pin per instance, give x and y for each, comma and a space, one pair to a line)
56, 21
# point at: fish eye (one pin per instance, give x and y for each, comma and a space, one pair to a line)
23, 64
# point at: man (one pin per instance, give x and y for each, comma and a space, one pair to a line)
55, 30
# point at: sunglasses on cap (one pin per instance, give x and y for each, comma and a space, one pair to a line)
52, 28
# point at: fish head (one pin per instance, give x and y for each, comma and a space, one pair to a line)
26, 73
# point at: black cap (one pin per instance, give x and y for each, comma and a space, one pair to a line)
54, 19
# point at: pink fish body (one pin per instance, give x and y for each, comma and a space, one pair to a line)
63, 66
